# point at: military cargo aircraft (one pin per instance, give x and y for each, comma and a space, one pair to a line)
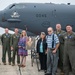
37, 17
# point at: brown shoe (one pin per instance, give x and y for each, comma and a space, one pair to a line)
4, 63
62, 73
23, 65
20, 65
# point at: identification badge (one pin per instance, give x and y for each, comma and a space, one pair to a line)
4, 36
14, 37
65, 37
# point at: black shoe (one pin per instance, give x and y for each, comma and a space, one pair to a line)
45, 71
41, 69
48, 74
62, 73
9, 63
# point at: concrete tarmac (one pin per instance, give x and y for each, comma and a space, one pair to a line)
14, 70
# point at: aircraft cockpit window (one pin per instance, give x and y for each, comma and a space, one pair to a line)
12, 6
20, 6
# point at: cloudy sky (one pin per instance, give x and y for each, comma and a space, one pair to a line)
5, 3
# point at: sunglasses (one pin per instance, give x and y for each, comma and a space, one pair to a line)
49, 31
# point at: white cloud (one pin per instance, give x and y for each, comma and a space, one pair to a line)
2, 30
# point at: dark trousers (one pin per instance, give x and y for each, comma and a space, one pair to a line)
15, 52
43, 60
4, 50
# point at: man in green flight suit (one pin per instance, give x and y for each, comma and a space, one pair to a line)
5, 38
14, 46
59, 33
69, 51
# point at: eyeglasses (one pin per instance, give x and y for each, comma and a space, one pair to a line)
49, 31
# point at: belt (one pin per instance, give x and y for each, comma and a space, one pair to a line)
51, 48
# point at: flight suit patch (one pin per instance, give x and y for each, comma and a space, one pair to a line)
65, 37
59, 34
4, 36
14, 37
70, 37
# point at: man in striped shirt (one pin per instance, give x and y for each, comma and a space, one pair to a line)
52, 53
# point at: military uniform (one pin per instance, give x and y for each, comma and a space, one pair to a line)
69, 53
14, 44
61, 48
5, 38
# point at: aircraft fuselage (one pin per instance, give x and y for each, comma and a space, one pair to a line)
37, 17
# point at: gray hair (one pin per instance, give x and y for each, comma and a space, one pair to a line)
43, 33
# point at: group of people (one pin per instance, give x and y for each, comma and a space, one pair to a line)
57, 50
16, 44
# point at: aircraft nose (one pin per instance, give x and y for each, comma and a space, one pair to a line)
0, 15
2, 19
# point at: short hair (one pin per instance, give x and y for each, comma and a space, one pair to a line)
16, 28
58, 23
50, 27
6, 28
68, 25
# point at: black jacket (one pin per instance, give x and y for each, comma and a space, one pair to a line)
44, 45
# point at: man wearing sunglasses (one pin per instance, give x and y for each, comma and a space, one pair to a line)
52, 53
